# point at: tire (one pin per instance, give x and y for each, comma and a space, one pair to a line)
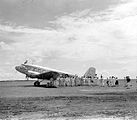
37, 83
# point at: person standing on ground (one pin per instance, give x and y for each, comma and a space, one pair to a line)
107, 82
114, 80
101, 80
128, 82
116, 83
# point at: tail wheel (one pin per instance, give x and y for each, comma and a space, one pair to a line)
37, 83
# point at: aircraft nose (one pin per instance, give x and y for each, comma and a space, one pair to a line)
17, 68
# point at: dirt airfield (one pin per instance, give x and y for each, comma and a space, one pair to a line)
20, 100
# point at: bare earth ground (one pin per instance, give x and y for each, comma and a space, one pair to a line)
21, 100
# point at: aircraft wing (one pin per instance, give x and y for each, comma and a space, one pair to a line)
48, 75
35, 71
52, 74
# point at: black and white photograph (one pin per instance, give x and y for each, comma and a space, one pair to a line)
68, 59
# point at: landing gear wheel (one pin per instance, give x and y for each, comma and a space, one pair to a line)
37, 83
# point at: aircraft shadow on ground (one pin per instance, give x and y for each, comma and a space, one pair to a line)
46, 86
105, 93
27, 86
41, 86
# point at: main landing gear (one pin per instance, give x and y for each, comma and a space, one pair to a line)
49, 84
36, 83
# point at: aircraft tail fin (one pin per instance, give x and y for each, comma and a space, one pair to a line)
90, 72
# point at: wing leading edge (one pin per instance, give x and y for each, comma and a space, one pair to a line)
39, 72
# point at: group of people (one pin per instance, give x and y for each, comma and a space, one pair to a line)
70, 81
66, 81
86, 81
111, 81
73, 81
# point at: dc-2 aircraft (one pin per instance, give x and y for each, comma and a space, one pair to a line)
41, 73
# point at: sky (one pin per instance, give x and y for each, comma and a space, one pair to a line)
69, 35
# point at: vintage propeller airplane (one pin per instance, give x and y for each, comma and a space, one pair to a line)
41, 73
